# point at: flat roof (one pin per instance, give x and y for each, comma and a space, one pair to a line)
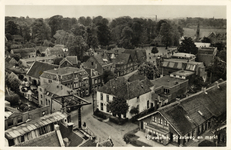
167, 81
183, 73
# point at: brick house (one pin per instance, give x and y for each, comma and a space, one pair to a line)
74, 78
185, 119
137, 94
95, 79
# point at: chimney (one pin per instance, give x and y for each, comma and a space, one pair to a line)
217, 84
70, 126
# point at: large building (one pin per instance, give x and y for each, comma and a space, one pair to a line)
36, 69
206, 55
137, 93
172, 65
189, 117
24, 52
168, 88
74, 78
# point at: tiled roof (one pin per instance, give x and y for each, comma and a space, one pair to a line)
47, 140
71, 59
102, 60
190, 112
38, 58
167, 81
38, 68
132, 52
127, 90
122, 58
34, 124
55, 51
66, 70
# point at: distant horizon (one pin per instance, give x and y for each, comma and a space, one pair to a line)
115, 11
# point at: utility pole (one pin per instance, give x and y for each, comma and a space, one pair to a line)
93, 94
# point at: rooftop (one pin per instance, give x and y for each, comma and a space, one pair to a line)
64, 70
167, 81
183, 73
186, 55
38, 68
71, 59
34, 124
186, 114
49, 140
122, 58
38, 58
121, 88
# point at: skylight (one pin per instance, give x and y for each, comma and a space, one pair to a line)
200, 113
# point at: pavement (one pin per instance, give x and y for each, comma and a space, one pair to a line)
104, 130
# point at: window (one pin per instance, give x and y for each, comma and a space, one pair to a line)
22, 138
161, 121
101, 96
147, 104
138, 98
50, 81
46, 102
49, 102
107, 108
101, 106
41, 96
155, 119
41, 102
107, 98
158, 120
40, 89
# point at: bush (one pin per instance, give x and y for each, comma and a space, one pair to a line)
100, 114
118, 121
13, 99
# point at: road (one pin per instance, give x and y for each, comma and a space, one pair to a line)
103, 130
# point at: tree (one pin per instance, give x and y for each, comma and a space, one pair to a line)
154, 50
40, 31
206, 40
134, 110
166, 34
149, 70
188, 46
12, 28
107, 75
118, 106
126, 37
103, 34
55, 23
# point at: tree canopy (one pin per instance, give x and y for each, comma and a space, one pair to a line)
154, 50
188, 46
149, 70
118, 106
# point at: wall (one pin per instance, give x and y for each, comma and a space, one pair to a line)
55, 106
33, 114
104, 101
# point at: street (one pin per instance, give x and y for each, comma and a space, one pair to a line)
103, 130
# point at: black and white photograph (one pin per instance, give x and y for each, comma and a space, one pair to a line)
114, 75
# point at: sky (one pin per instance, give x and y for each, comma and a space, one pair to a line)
112, 11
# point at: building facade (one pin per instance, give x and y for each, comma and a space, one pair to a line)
74, 78
186, 119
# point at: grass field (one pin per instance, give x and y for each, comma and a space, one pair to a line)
190, 32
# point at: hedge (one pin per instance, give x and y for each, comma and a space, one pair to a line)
100, 114
118, 121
